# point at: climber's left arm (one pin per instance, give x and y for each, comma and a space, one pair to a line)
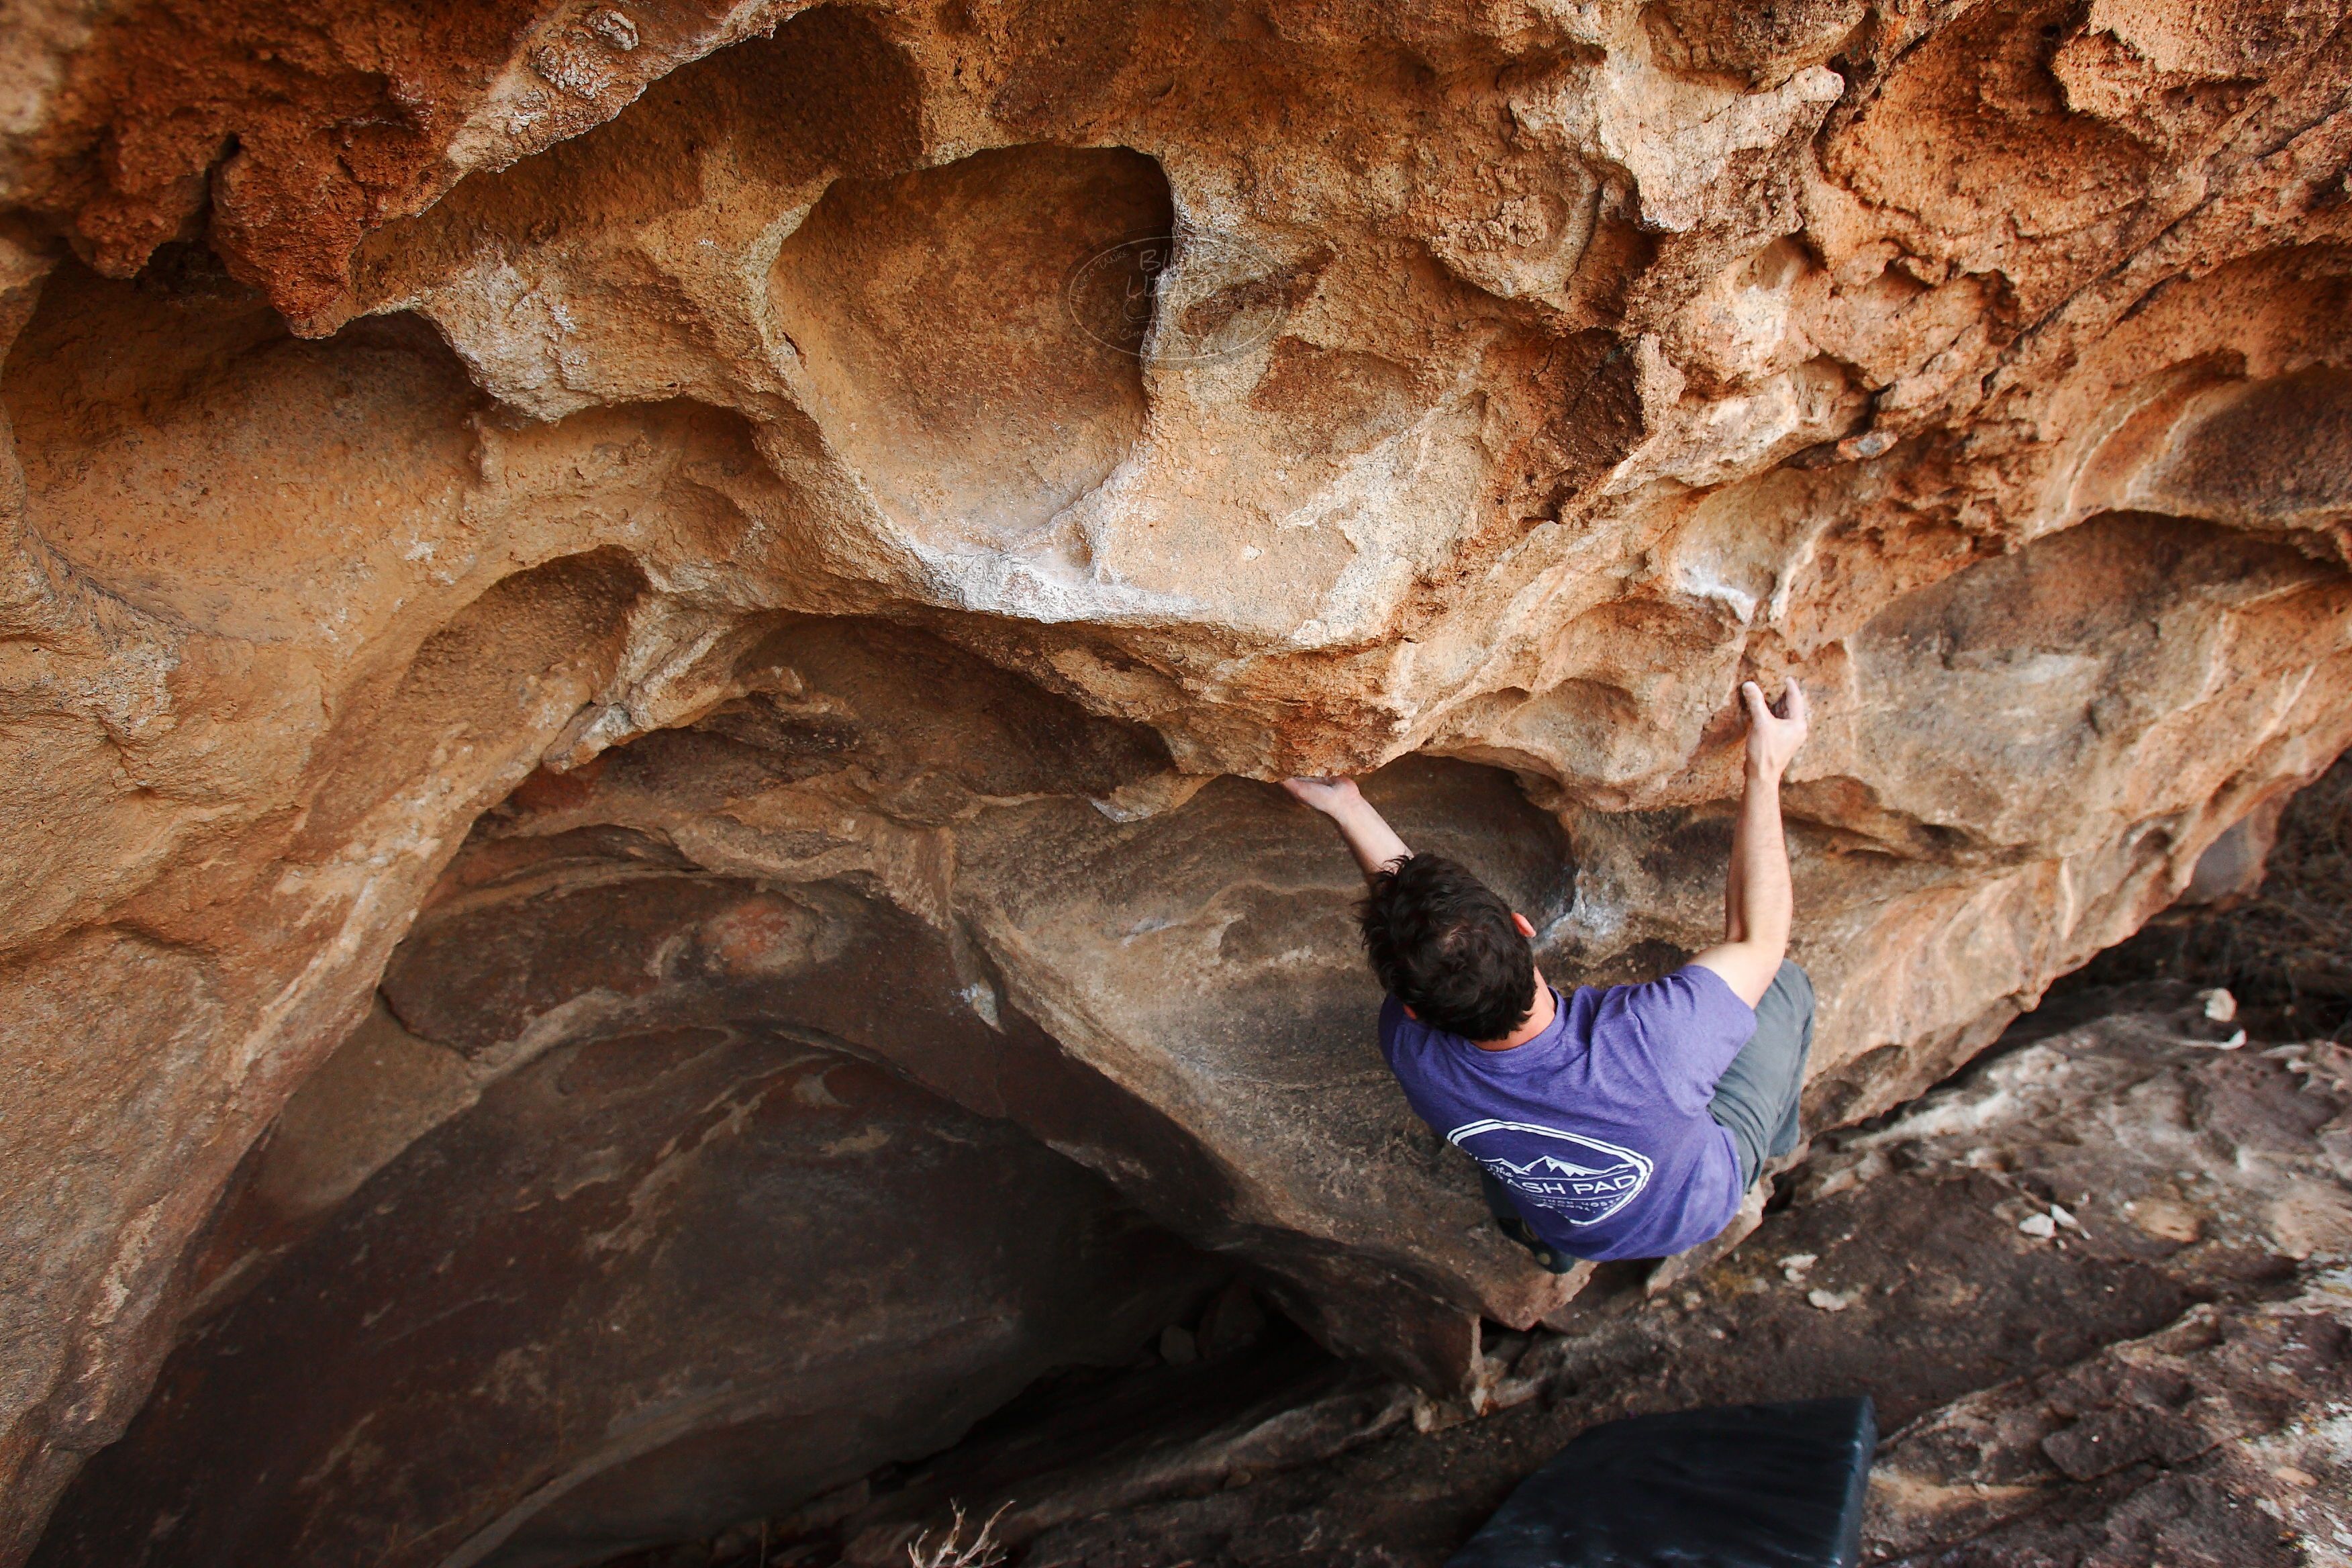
1759, 902
1369, 838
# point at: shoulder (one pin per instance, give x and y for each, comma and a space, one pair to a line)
1396, 1030
1416, 1054
1691, 998
1705, 988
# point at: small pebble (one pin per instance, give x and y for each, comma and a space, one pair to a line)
1829, 1300
2219, 1006
2039, 1225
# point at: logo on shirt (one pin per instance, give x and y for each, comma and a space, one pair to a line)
1580, 1179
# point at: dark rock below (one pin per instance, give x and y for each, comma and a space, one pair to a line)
646, 1282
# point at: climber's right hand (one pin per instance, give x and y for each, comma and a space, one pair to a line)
1775, 730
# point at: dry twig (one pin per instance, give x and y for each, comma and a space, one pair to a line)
951, 1550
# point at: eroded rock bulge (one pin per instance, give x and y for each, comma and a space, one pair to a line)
646, 1281
1503, 386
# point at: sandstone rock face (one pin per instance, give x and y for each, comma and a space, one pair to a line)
677, 534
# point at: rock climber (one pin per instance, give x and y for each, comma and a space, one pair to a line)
1612, 1121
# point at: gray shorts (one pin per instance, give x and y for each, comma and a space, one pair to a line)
1757, 1098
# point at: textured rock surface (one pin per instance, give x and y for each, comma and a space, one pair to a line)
2193, 1318
683, 1272
2187, 1447
876, 463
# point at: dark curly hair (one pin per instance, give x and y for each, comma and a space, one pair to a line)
1443, 942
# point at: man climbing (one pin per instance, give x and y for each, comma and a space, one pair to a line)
1623, 1121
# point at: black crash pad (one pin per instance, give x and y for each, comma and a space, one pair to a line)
1741, 1486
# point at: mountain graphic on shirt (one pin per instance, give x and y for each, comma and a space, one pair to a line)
1543, 1165
1578, 1179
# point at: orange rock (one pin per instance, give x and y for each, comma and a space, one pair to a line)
868, 439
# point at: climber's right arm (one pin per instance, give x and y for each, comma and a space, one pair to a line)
1369, 838
1759, 902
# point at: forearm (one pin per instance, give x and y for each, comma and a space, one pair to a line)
1735, 914
1758, 901
1369, 838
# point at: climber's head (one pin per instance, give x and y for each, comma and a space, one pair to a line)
1449, 948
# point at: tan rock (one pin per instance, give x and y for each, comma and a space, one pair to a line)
891, 457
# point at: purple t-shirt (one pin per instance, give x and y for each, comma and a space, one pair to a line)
1598, 1125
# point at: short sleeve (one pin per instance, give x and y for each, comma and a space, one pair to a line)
1690, 1025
